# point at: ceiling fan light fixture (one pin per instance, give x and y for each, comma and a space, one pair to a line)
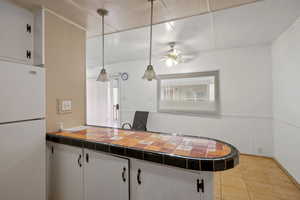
170, 62
173, 56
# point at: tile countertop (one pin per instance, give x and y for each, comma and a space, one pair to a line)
188, 152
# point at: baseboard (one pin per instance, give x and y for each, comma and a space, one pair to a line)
287, 173
258, 156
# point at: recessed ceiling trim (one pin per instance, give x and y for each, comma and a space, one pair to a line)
174, 19
91, 13
212, 24
65, 19
127, 14
208, 5
143, 26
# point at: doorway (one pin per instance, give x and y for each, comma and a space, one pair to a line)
103, 102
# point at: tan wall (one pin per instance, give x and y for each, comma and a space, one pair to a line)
65, 71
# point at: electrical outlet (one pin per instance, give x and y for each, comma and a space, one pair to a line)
260, 150
64, 106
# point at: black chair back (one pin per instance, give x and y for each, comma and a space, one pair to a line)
140, 121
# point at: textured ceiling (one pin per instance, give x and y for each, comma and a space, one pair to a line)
251, 24
128, 14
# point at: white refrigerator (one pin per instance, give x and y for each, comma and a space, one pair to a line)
22, 132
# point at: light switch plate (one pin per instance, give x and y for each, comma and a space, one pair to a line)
64, 106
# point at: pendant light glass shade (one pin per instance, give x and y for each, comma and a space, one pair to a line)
103, 76
150, 73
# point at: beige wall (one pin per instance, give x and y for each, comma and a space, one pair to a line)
65, 71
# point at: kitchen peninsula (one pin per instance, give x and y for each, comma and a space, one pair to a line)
126, 164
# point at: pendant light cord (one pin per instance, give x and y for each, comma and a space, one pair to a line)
102, 41
151, 23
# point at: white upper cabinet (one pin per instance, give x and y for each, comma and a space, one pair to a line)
105, 177
16, 33
22, 92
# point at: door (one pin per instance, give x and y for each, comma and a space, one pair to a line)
156, 182
16, 35
115, 101
22, 154
22, 92
105, 177
66, 173
103, 102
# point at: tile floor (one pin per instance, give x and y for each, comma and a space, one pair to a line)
255, 178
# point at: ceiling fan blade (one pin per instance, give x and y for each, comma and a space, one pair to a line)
189, 57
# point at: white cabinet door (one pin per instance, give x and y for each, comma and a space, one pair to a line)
49, 151
66, 173
22, 160
105, 177
22, 92
157, 182
15, 40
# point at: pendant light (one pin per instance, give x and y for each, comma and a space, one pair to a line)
103, 76
150, 73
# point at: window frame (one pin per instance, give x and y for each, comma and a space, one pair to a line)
215, 74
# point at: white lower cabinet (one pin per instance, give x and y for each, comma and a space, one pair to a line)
157, 182
105, 177
65, 172
80, 174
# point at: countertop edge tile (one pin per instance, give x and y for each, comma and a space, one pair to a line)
190, 163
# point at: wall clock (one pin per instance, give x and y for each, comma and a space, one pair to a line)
124, 76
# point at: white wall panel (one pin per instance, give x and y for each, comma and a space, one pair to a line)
286, 98
246, 95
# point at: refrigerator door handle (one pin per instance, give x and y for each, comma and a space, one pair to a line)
32, 72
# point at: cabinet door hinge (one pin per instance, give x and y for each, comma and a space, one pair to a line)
200, 185
28, 54
28, 28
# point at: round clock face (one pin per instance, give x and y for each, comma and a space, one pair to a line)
124, 76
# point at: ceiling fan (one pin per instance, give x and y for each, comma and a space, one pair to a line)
174, 56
